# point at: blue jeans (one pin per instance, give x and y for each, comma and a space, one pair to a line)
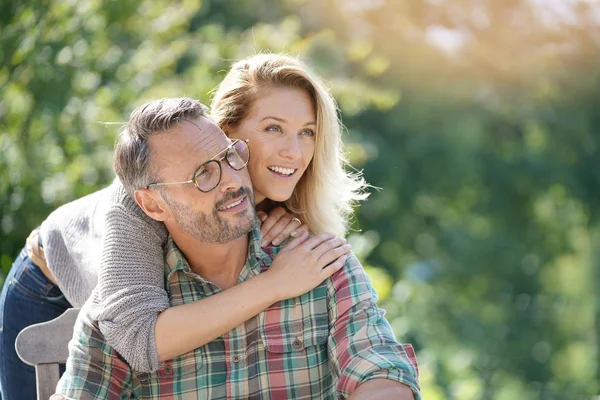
27, 298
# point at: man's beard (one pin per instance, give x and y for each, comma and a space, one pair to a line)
211, 228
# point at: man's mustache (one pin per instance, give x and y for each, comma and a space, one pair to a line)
243, 190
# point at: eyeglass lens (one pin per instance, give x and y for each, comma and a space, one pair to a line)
207, 177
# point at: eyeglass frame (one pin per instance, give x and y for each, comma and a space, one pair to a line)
213, 159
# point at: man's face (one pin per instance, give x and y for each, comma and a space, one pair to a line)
219, 216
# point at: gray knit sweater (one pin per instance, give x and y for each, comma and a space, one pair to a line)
105, 248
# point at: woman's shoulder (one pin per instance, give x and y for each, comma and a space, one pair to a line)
118, 198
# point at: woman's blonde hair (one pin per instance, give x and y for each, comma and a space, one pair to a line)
324, 196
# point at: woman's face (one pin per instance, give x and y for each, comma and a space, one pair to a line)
281, 127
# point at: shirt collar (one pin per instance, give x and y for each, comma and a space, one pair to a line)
258, 259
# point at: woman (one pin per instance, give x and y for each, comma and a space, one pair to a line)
292, 124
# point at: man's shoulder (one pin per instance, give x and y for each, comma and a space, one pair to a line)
352, 269
351, 281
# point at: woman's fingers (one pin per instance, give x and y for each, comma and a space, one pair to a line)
333, 267
333, 254
295, 242
316, 240
262, 215
292, 229
269, 223
327, 245
303, 228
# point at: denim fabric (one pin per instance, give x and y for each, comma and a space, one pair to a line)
27, 298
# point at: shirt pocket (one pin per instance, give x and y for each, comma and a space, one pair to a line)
296, 324
175, 370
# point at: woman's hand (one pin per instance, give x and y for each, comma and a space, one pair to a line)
279, 225
304, 263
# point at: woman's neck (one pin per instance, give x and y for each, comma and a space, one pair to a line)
267, 205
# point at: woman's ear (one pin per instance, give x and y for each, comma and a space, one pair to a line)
226, 129
230, 131
152, 203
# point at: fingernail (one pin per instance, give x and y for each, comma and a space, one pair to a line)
264, 243
262, 217
294, 234
275, 242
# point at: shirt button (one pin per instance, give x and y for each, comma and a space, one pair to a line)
168, 370
235, 358
297, 344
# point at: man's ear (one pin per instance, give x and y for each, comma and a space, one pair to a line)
152, 203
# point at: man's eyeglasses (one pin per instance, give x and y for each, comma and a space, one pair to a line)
208, 175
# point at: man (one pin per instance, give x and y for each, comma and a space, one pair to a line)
332, 341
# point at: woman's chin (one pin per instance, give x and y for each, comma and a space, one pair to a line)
279, 197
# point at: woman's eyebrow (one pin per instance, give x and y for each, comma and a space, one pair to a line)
285, 121
275, 118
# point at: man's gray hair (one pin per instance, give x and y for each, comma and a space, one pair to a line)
132, 158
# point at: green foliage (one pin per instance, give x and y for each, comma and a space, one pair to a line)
477, 119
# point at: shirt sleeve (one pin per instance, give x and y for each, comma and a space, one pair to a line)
130, 293
361, 343
94, 370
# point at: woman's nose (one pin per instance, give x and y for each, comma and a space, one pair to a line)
292, 148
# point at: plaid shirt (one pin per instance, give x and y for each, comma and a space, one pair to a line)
320, 345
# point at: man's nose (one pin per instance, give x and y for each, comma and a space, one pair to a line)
230, 178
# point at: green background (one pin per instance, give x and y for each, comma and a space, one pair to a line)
478, 119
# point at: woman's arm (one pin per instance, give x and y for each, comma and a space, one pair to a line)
130, 291
132, 306
301, 266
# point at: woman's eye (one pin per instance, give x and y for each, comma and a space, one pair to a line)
308, 132
274, 128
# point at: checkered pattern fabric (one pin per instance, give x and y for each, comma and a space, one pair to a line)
320, 345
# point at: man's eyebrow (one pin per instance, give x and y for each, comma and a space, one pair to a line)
284, 121
212, 158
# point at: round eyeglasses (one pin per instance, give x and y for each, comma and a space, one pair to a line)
208, 175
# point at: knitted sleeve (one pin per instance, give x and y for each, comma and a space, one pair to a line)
130, 292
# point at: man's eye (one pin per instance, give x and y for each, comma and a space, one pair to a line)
201, 172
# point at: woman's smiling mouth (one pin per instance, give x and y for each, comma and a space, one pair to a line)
281, 171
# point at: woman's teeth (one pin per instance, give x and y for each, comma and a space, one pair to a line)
282, 171
227, 207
